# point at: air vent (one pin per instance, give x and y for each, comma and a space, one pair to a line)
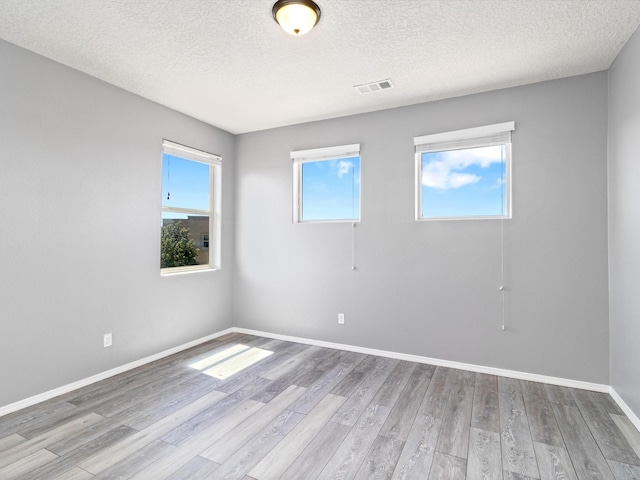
374, 86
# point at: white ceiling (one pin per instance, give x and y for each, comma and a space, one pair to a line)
228, 63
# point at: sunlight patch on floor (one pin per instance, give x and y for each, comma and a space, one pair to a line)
218, 357
230, 361
239, 362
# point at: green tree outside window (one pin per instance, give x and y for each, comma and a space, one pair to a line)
177, 248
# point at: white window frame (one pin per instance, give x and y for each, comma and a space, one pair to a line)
215, 204
484, 136
318, 155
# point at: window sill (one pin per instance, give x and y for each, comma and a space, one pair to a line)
170, 272
488, 217
325, 221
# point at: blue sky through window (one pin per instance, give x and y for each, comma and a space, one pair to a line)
187, 182
331, 189
464, 183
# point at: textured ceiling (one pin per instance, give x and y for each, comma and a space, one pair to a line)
227, 62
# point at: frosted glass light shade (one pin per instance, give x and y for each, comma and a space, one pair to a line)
296, 17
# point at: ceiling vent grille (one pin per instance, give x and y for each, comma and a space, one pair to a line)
374, 86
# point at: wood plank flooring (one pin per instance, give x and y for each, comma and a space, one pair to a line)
248, 408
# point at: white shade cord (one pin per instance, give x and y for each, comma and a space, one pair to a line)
353, 246
504, 317
169, 177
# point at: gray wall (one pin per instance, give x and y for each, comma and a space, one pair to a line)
430, 288
624, 222
80, 174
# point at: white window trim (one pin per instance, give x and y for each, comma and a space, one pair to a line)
215, 204
466, 134
484, 136
299, 157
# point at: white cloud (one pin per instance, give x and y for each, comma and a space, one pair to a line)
457, 180
444, 173
435, 175
344, 167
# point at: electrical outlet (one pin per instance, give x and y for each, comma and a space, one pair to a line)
107, 340
341, 318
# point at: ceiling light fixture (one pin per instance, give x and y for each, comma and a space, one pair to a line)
296, 17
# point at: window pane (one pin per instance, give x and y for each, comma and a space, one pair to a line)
184, 240
331, 189
185, 183
464, 183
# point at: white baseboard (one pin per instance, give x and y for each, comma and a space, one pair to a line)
625, 408
339, 346
27, 402
596, 387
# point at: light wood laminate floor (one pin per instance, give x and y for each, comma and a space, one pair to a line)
244, 407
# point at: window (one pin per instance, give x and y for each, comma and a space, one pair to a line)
326, 184
191, 197
464, 174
